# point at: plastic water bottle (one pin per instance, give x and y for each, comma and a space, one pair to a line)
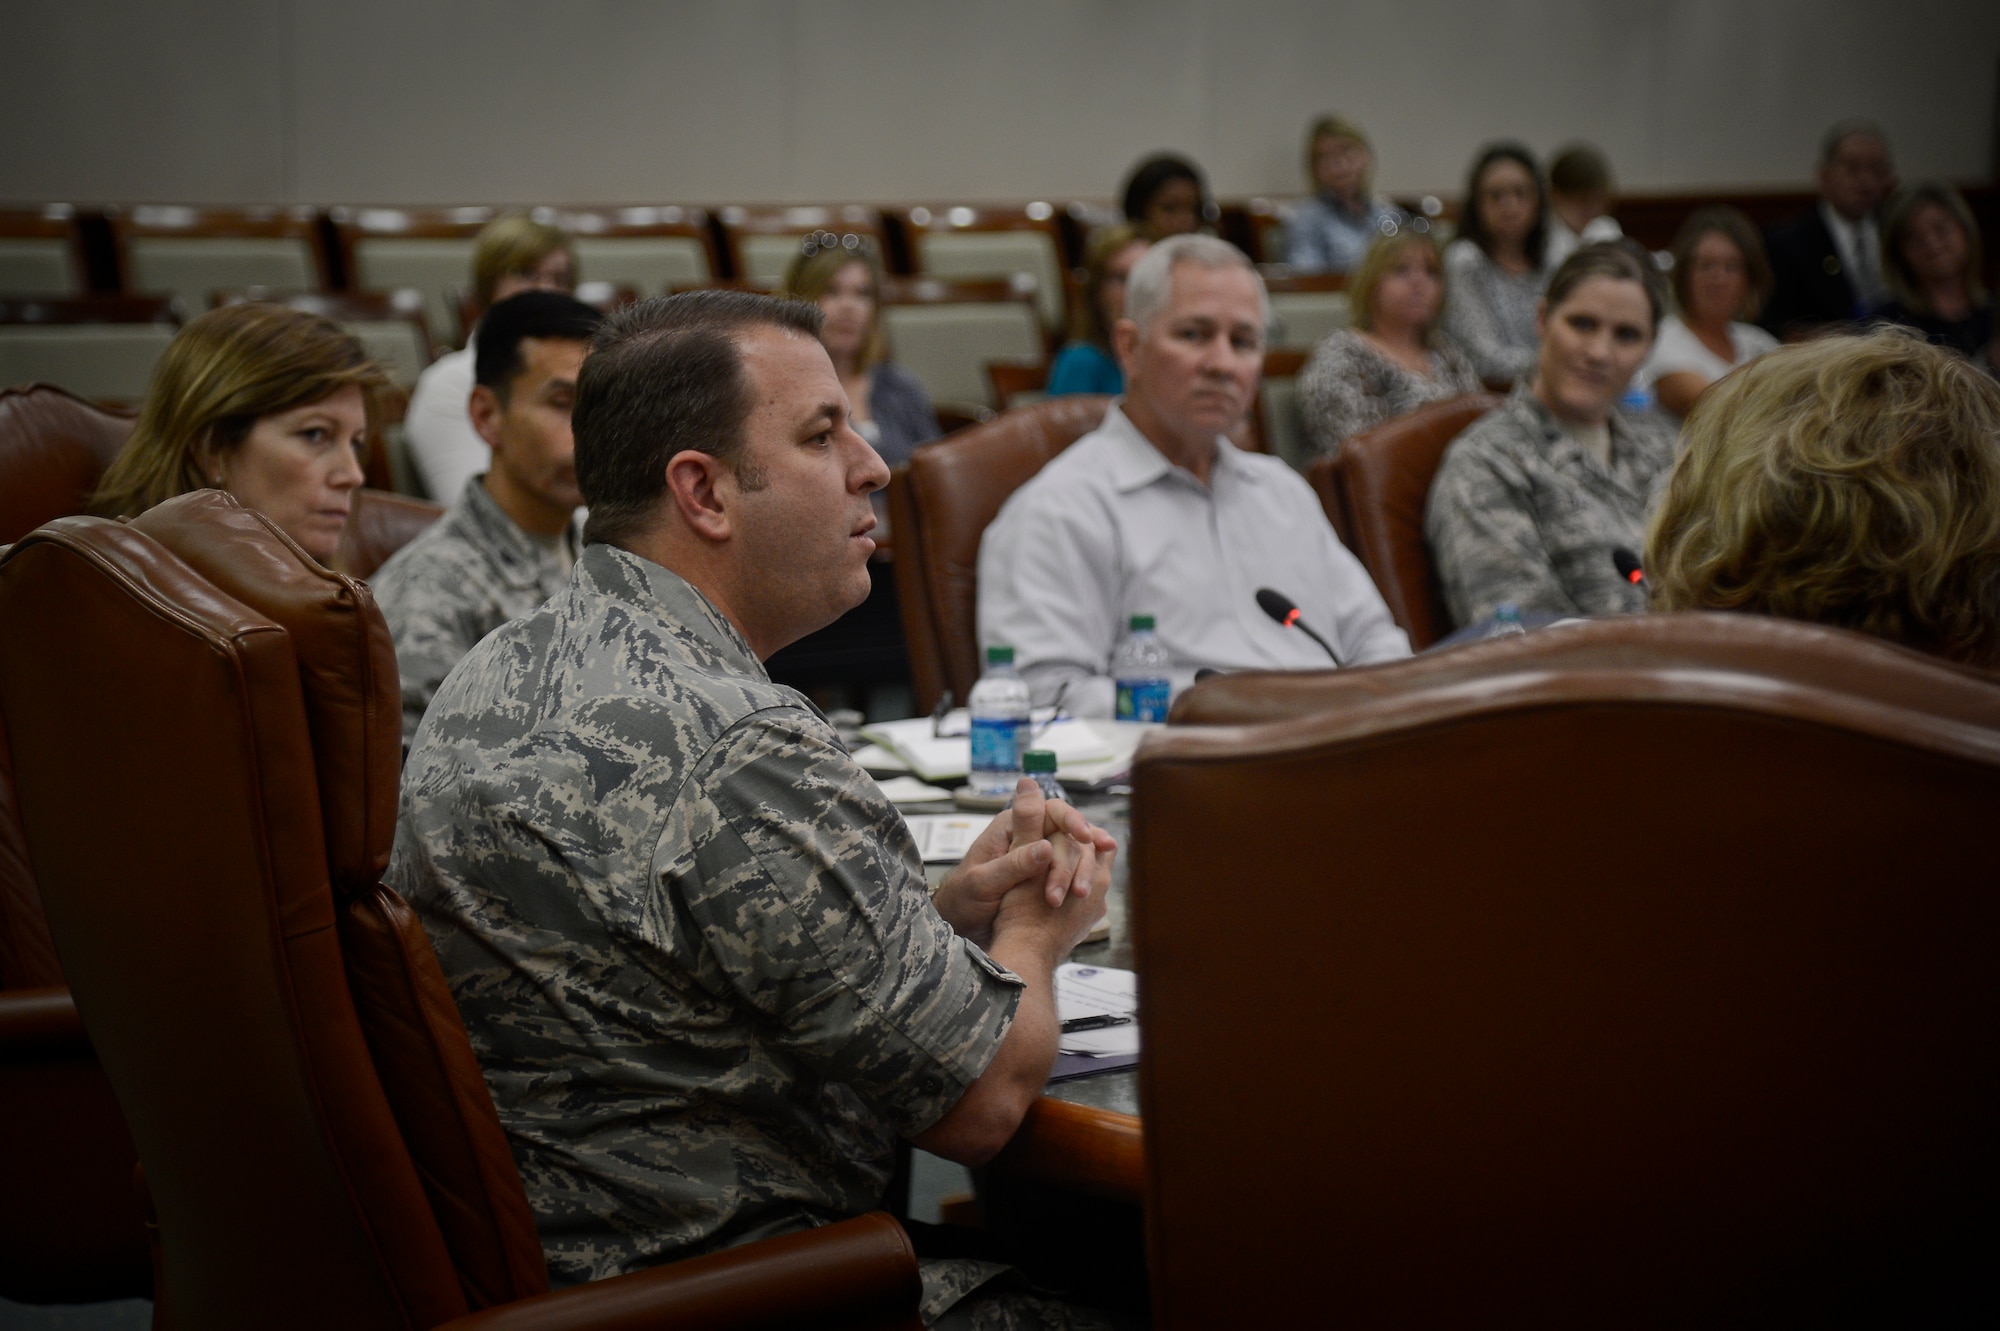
1041, 765
1140, 671
1506, 619
999, 707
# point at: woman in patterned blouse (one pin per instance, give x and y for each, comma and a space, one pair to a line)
1394, 359
1499, 263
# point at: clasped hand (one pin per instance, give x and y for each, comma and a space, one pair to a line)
1040, 863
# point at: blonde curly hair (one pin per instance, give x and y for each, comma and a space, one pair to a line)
1852, 481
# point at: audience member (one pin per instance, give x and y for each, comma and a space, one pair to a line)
887, 406
1393, 359
1720, 280
1580, 201
1496, 269
510, 541
1852, 481
1086, 364
513, 253
1931, 254
1532, 499
1154, 512
1826, 264
691, 942
1331, 232
268, 403
1166, 196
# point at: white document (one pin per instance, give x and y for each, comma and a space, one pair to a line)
1085, 751
909, 790
1089, 991
943, 838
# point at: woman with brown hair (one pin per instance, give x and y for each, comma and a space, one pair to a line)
268, 403
1721, 280
1931, 257
1852, 481
1086, 364
1393, 359
890, 409
1531, 502
1499, 263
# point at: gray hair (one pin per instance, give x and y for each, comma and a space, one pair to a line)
1149, 286
1843, 130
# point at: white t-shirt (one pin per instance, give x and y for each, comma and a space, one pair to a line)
438, 431
1678, 351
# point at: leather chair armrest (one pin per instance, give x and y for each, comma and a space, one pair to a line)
39, 1024
860, 1273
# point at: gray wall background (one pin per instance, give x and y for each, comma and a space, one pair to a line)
609, 101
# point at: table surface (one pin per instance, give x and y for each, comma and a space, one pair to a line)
1085, 1133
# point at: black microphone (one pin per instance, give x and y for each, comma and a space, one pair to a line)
1628, 566
1283, 609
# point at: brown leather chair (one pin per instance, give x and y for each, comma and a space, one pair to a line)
207, 784
939, 506
54, 447
1654, 993
380, 523
1374, 490
1785, 651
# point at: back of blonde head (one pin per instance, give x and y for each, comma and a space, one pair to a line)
1852, 481
220, 374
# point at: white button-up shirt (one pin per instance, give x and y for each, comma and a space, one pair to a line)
1111, 528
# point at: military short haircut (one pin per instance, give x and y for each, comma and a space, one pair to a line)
665, 376
526, 314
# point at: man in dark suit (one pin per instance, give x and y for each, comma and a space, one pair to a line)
1826, 263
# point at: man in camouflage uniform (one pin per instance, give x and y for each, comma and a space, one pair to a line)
510, 541
690, 940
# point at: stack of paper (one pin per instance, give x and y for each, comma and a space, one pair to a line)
1083, 992
1087, 752
943, 838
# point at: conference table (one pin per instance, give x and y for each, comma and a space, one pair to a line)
1083, 1134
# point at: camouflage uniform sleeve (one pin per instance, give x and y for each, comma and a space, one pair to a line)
809, 895
1480, 520
430, 623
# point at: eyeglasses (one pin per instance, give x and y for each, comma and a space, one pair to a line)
827, 240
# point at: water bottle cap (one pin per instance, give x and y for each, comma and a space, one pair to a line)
1038, 760
1507, 612
999, 656
1143, 623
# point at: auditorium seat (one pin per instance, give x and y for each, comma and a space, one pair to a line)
98, 347
1280, 430
762, 242
41, 252
426, 248
380, 524
54, 447
1305, 307
1632, 988
193, 253
1374, 490
319, 1145
391, 325
1015, 384
940, 503
650, 249
959, 242
946, 333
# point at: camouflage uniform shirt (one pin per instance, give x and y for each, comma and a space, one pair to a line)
690, 940
1522, 513
469, 573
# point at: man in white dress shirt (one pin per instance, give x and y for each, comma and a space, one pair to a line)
1156, 512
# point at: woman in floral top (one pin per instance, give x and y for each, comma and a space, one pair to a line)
1394, 359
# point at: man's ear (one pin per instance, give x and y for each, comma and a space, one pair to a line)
1125, 344
485, 409
703, 490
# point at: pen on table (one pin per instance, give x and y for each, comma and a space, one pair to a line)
939, 713
1096, 1023
1055, 711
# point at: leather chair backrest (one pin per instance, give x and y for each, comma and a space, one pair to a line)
276, 1128
939, 509
1568, 998
54, 447
1785, 652
27, 953
380, 524
1380, 480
